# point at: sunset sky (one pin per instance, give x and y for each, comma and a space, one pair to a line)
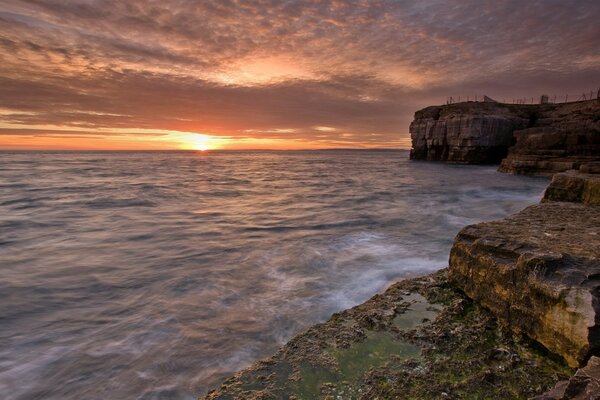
180, 74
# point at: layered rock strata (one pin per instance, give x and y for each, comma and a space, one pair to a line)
538, 271
574, 187
526, 139
476, 133
563, 138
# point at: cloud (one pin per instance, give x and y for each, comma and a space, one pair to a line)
278, 69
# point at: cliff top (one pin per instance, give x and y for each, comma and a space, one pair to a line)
556, 110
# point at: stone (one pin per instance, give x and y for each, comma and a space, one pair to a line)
539, 139
475, 133
563, 137
538, 271
575, 187
429, 341
590, 168
584, 385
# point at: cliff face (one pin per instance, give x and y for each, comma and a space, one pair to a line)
547, 138
539, 270
478, 133
563, 138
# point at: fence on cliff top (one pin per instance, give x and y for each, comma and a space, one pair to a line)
543, 99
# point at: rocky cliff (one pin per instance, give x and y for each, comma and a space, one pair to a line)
563, 137
469, 132
544, 138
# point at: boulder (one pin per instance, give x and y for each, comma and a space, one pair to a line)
574, 186
538, 271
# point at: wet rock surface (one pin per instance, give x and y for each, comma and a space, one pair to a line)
421, 339
518, 307
539, 272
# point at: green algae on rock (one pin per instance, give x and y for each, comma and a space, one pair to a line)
420, 339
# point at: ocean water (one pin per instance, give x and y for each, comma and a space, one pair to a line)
153, 275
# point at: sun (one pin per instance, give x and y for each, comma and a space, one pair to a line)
199, 142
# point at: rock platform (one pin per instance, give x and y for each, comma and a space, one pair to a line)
420, 339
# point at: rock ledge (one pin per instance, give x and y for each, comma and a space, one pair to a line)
538, 271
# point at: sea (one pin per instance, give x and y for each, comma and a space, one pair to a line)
155, 275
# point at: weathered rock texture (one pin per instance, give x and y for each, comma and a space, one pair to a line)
584, 385
563, 137
547, 138
471, 132
575, 187
539, 272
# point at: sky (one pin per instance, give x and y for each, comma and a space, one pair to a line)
265, 74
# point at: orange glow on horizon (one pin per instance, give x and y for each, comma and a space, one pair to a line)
69, 138
140, 142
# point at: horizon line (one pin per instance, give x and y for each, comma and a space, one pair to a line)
200, 151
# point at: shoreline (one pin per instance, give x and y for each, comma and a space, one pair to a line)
425, 338
421, 338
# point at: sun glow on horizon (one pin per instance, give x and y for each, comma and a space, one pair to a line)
198, 141
57, 137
